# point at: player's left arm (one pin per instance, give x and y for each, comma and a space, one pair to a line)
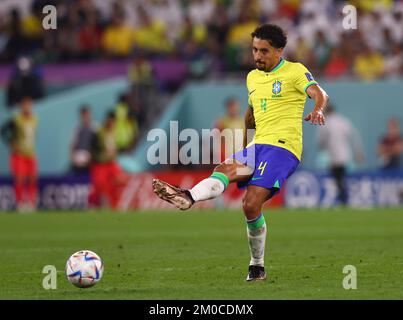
321, 98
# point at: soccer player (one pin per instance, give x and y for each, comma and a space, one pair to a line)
80, 148
228, 125
107, 177
22, 158
277, 93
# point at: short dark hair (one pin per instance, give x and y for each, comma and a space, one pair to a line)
272, 33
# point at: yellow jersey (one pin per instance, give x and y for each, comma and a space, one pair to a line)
278, 98
231, 124
105, 147
24, 142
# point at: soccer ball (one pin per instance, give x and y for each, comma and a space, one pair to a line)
84, 269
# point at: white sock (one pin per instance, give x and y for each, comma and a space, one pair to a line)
257, 240
210, 188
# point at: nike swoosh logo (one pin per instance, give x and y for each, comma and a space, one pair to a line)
253, 179
252, 92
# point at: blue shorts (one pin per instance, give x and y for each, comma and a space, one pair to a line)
272, 166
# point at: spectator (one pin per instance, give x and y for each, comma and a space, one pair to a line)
369, 65
167, 12
394, 61
106, 175
373, 25
219, 26
193, 32
141, 78
16, 43
80, 149
3, 35
94, 29
239, 38
302, 50
32, 25
89, 37
289, 8
200, 11
311, 22
337, 66
370, 5
338, 138
390, 147
217, 31
26, 80
239, 33
322, 49
20, 134
126, 125
67, 42
118, 37
396, 25
150, 35
196, 59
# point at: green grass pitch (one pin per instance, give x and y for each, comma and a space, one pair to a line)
204, 254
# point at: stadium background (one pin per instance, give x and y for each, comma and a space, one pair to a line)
181, 60
193, 56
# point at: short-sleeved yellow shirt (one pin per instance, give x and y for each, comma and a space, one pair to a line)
278, 99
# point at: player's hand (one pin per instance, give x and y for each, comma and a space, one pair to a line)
316, 117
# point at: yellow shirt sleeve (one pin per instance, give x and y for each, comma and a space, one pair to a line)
303, 78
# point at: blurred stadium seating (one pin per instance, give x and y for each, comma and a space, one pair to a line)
180, 60
208, 36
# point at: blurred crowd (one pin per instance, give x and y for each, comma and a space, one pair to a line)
210, 36
94, 150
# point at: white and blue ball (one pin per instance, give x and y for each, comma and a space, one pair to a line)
84, 269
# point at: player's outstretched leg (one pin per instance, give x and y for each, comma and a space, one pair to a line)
256, 230
180, 198
206, 189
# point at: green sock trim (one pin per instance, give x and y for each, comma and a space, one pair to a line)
222, 177
257, 223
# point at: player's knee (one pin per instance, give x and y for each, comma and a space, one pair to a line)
226, 169
250, 208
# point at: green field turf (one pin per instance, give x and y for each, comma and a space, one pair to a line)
204, 254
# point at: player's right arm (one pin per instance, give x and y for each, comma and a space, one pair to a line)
321, 100
249, 124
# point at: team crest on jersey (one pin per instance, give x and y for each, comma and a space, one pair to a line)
277, 87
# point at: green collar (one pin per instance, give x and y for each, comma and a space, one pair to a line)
278, 66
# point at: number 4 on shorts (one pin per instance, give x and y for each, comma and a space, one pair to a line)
262, 166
